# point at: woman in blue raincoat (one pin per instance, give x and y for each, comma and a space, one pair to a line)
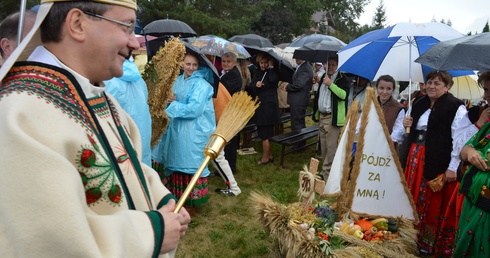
192, 121
131, 92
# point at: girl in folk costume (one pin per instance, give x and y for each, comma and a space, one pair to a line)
430, 171
393, 111
192, 121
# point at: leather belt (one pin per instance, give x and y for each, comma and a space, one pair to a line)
326, 113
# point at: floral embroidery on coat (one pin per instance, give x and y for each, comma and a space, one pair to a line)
97, 175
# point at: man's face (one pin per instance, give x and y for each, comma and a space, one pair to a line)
110, 43
227, 63
331, 67
317, 67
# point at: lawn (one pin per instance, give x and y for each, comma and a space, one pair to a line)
226, 226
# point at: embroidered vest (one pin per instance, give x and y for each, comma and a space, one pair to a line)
439, 141
391, 108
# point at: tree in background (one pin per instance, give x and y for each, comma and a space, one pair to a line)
278, 20
344, 14
379, 18
486, 28
277, 32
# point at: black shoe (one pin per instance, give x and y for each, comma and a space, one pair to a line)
226, 192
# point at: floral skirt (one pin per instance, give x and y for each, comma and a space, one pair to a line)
473, 236
177, 182
437, 215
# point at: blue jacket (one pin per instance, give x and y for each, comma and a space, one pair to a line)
131, 92
192, 122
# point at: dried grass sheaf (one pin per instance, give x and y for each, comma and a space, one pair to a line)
281, 223
160, 75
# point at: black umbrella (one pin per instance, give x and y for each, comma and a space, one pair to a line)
318, 51
282, 66
252, 40
467, 53
167, 27
299, 42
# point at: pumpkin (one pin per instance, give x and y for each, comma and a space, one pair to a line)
364, 224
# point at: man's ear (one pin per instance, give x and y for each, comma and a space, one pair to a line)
6, 45
76, 24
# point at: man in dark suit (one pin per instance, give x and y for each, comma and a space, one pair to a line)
299, 96
232, 80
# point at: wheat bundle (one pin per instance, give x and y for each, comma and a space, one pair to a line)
160, 74
235, 116
282, 224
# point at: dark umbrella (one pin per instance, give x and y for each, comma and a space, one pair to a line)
282, 66
313, 38
252, 40
167, 27
204, 61
467, 53
318, 51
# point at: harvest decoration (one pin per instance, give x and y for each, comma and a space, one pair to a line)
301, 232
160, 74
311, 228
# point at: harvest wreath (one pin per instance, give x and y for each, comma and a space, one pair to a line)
312, 228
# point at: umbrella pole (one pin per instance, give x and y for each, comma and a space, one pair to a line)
22, 15
263, 76
407, 130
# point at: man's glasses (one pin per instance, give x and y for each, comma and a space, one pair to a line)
129, 26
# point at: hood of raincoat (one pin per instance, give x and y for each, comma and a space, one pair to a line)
130, 72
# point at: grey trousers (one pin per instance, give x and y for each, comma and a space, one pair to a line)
329, 136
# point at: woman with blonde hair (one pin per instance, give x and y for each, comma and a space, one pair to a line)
264, 86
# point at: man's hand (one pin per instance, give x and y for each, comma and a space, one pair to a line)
327, 81
173, 226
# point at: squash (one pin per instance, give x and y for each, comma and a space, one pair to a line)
364, 224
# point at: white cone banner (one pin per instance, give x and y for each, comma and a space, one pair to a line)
377, 186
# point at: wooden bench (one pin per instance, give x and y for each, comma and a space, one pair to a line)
250, 128
289, 139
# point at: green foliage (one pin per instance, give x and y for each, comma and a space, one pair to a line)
344, 14
379, 18
486, 28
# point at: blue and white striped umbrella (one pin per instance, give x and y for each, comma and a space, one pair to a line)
393, 50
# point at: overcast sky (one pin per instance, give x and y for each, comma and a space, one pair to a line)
466, 16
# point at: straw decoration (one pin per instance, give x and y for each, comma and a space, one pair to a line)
236, 115
160, 75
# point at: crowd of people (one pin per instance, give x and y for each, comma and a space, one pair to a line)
80, 134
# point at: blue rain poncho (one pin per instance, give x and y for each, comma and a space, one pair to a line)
192, 122
131, 92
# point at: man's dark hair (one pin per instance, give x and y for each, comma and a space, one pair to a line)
333, 58
10, 26
52, 24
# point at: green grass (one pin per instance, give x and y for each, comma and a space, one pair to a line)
226, 226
